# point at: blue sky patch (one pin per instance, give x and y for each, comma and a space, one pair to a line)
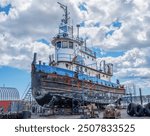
82, 6
109, 33
19, 80
43, 41
6, 9
113, 54
116, 24
101, 53
82, 24
97, 24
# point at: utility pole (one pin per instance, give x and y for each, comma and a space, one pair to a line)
141, 96
131, 97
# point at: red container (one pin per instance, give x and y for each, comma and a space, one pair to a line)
5, 105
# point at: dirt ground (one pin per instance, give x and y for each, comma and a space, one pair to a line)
124, 115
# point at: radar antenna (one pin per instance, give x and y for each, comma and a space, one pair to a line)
64, 7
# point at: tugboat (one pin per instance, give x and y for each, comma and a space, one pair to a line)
73, 75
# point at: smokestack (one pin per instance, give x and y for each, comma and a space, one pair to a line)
78, 26
34, 58
50, 60
85, 43
104, 66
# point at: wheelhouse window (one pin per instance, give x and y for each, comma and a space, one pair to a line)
58, 44
64, 44
71, 45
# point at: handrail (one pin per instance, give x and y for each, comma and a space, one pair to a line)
60, 35
87, 50
69, 57
65, 56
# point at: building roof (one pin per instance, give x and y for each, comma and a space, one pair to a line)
8, 93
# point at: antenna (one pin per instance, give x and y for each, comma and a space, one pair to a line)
64, 7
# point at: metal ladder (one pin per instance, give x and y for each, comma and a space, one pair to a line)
27, 95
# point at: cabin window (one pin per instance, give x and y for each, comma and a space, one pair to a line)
58, 44
71, 45
85, 69
88, 57
98, 76
64, 44
67, 65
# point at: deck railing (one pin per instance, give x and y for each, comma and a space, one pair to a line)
65, 57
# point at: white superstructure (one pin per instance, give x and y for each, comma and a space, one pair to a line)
71, 53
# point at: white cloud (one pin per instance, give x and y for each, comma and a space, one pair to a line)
134, 15
21, 5
13, 14
30, 20
19, 54
132, 67
4, 2
136, 84
3, 17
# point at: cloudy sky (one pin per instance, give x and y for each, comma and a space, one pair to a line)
118, 30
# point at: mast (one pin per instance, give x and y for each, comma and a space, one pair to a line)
65, 29
64, 7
